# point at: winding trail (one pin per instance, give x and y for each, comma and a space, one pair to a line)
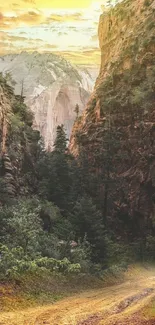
107, 306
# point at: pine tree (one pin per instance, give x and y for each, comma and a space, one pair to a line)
77, 110
87, 221
58, 171
60, 144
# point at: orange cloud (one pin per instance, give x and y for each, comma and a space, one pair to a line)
61, 18
15, 5
16, 44
68, 32
5, 37
83, 57
29, 18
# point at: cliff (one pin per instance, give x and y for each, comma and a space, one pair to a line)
52, 87
18, 144
117, 129
7, 180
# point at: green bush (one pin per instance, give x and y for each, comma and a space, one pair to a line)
22, 226
14, 262
115, 272
81, 254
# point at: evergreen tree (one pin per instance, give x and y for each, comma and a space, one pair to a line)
77, 110
57, 173
87, 221
60, 144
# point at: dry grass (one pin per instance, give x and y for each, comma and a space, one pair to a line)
98, 306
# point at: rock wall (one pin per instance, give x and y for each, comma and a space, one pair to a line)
123, 106
55, 106
7, 177
51, 86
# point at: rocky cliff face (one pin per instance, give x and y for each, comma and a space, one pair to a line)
51, 86
7, 180
19, 146
117, 128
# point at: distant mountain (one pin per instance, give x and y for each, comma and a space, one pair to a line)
52, 87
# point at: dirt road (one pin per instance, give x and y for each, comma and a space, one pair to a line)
111, 305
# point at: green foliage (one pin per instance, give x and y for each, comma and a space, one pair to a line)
14, 262
64, 266
77, 110
87, 221
4, 198
115, 272
31, 241
22, 226
60, 144
81, 254
71, 223
147, 3
150, 247
16, 125
10, 258
117, 253
58, 174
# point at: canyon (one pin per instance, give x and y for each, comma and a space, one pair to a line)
109, 170
51, 86
117, 128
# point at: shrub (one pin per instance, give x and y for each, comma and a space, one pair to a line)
81, 254
14, 262
22, 226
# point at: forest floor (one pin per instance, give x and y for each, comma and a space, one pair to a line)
129, 303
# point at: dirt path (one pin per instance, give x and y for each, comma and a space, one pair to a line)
106, 306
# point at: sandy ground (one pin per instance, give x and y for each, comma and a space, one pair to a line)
115, 305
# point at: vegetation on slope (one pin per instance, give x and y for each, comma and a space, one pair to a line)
64, 217
115, 136
122, 304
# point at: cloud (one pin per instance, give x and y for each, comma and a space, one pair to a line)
15, 5
36, 17
7, 38
30, 1
7, 48
39, 25
62, 33
81, 57
16, 43
29, 18
65, 17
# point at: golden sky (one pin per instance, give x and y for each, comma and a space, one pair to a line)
66, 27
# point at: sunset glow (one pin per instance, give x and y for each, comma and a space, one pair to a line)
65, 27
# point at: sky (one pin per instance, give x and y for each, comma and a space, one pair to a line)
66, 27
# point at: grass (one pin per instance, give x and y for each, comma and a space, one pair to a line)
98, 303
34, 289
149, 311
36, 298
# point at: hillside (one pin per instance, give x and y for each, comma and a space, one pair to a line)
52, 87
18, 143
117, 129
131, 302
81, 217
